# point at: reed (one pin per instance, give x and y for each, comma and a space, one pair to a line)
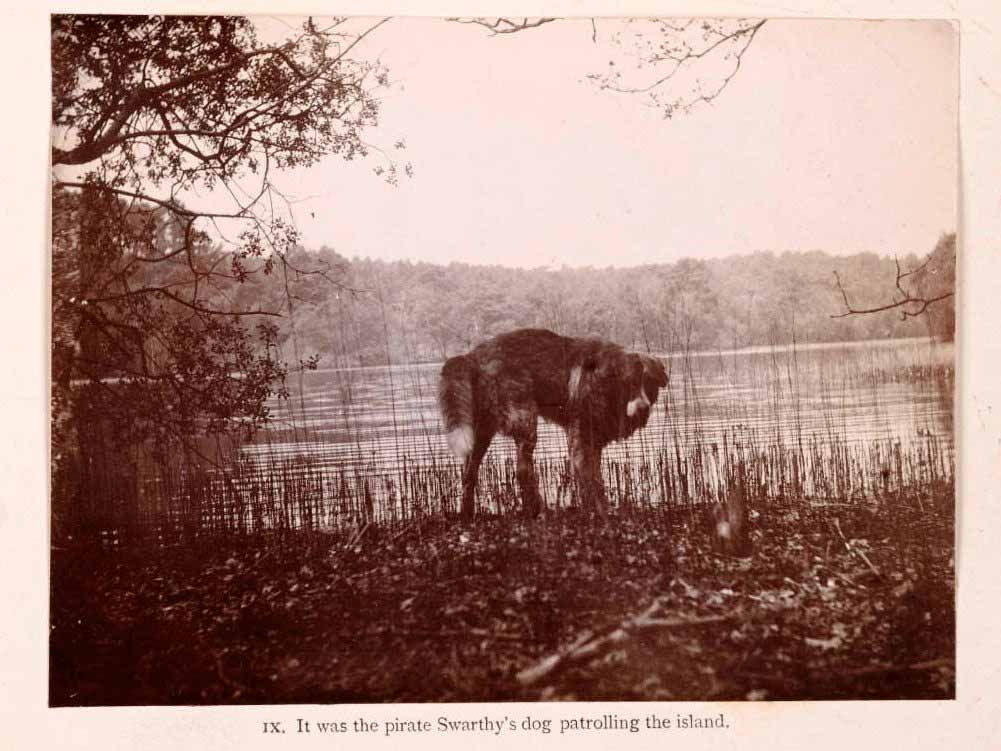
363, 447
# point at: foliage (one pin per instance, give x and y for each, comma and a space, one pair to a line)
673, 65
153, 364
149, 114
676, 64
936, 278
199, 100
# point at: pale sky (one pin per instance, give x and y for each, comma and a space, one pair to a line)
834, 135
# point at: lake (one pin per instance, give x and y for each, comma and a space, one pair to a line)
831, 420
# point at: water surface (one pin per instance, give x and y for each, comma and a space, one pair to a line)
868, 405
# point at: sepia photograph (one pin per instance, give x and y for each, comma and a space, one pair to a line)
502, 359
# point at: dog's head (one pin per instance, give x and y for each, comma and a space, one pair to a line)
643, 378
625, 385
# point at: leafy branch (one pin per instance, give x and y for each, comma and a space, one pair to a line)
167, 132
661, 52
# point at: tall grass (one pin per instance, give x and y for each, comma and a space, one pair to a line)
858, 424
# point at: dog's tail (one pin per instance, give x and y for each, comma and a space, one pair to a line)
458, 409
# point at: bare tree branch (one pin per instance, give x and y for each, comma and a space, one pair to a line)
503, 25
909, 304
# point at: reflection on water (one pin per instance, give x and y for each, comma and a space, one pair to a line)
819, 402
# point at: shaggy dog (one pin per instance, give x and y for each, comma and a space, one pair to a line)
595, 390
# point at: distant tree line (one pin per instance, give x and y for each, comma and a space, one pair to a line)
362, 311
400, 311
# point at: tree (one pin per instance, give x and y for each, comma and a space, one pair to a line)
925, 290
689, 305
150, 114
935, 280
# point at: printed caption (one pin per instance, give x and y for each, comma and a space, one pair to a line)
498, 724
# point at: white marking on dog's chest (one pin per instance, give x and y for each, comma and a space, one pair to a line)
573, 384
640, 401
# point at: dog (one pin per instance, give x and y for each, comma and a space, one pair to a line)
595, 390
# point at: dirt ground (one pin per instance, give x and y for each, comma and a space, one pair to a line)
836, 602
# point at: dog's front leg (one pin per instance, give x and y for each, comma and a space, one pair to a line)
597, 482
528, 483
531, 501
586, 461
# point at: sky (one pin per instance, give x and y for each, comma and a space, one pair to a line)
834, 135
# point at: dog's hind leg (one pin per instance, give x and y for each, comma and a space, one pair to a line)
471, 469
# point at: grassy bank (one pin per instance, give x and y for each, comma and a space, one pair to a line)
837, 601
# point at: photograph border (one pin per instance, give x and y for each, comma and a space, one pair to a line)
970, 719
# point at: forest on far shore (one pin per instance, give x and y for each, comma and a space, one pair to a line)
338, 312
401, 311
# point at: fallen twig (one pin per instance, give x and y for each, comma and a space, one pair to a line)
358, 535
941, 662
774, 679
798, 681
854, 551
849, 580
407, 528
588, 646
439, 634
238, 687
548, 664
